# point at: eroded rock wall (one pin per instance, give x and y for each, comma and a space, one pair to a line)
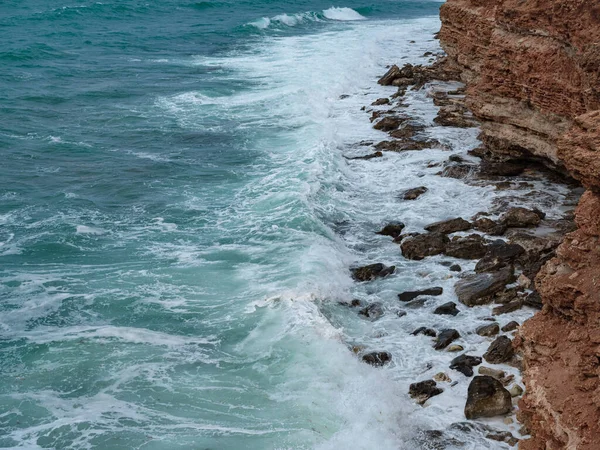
533, 75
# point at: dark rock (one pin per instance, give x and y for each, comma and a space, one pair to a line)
503, 436
401, 313
354, 303
389, 123
478, 289
538, 250
410, 295
455, 268
455, 116
505, 169
456, 159
499, 254
489, 226
344, 96
374, 311
466, 247
413, 194
449, 226
465, 363
393, 229
423, 245
377, 359
486, 397
381, 101
448, 309
458, 171
488, 330
445, 338
372, 271
424, 331
366, 157
533, 300
499, 351
510, 326
507, 308
521, 217
424, 390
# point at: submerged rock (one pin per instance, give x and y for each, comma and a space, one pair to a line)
448, 309
377, 359
499, 351
486, 397
424, 331
389, 123
423, 245
410, 295
381, 101
414, 193
445, 338
374, 311
393, 229
449, 226
465, 363
372, 271
424, 390
479, 288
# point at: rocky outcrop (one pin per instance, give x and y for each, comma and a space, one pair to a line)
533, 80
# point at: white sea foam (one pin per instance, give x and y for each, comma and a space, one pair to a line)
343, 14
292, 20
85, 229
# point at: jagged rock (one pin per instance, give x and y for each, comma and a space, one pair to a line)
458, 171
503, 436
445, 338
381, 101
479, 288
448, 309
510, 326
389, 123
366, 157
449, 226
393, 229
504, 169
455, 268
499, 351
390, 76
377, 359
466, 247
507, 308
486, 397
410, 295
499, 254
497, 374
488, 330
489, 226
372, 271
521, 217
423, 245
414, 193
374, 311
424, 390
533, 300
441, 376
424, 331
465, 363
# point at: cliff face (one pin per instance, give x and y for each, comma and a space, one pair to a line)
533, 74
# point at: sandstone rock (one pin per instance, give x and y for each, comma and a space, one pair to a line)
414, 193
496, 373
486, 397
501, 168
389, 123
372, 271
442, 377
423, 245
447, 309
424, 390
507, 308
488, 330
478, 289
466, 247
521, 217
390, 76
510, 326
377, 359
424, 331
516, 390
465, 363
458, 171
449, 226
498, 255
374, 311
499, 351
410, 295
454, 348
489, 226
393, 229
381, 101
445, 338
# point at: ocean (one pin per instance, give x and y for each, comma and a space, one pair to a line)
178, 220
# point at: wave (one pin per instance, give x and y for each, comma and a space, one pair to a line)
292, 20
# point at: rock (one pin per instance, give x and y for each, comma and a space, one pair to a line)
454, 348
503, 436
498, 254
455, 268
410, 295
423, 245
455, 116
499, 351
425, 331
489, 226
497, 374
478, 289
424, 390
488, 330
381, 101
377, 359
458, 171
414, 193
401, 313
439, 377
466, 247
533, 300
374, 311
445, 338
521, 217
486, 397
503, 169
449, 226
465, 363
448, 309
510, 326
507, 308
366, 157
515, 390
372, 271
354, 303
393, 229
415, 304
390, 76
389, 123
524, 282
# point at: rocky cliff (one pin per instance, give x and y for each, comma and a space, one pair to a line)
533, 74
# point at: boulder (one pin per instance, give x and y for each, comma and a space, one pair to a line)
455, 268
441, 376
515, 305
498, 254
449, 226
454, 348
479, 288
374, 311
424, 331
372, 271
445, 338
381, 101
423, 245
521, 217
389, 123
424, 390
488, 330
466, 247
393, 229
499, 351
390, 76
497, 374
458, 171
489, 226
510, 326
377, 359
414, 193
410, 295
486, 397
448, 309
465, 363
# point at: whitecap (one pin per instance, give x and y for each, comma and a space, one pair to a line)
342, 14
84, 229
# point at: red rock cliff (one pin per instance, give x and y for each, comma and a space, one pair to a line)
533, 75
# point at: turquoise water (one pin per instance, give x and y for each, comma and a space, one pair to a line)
177, 220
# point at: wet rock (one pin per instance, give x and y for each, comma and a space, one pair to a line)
508, 307
442, 377
455, 116
486, 397
510, 326
393, 229
489, 226
533, 300
504, 169
479, 288
424, 331
454, 348
515, 390
466, 247
497, 374
448, 309
408, 131
488, 330
508, 295
424, 390
372, 271
377, 359
465, 363
381, 101
355, 302
449, 226
521, 217
458, 171
410, 295
414, 193
455, 268
445, 338
366, 157
499, 351
416, 304
456, 158
503, 436
390, 76
389, 123
423, 245
538, 250
499, 254
374, 311
401, 313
